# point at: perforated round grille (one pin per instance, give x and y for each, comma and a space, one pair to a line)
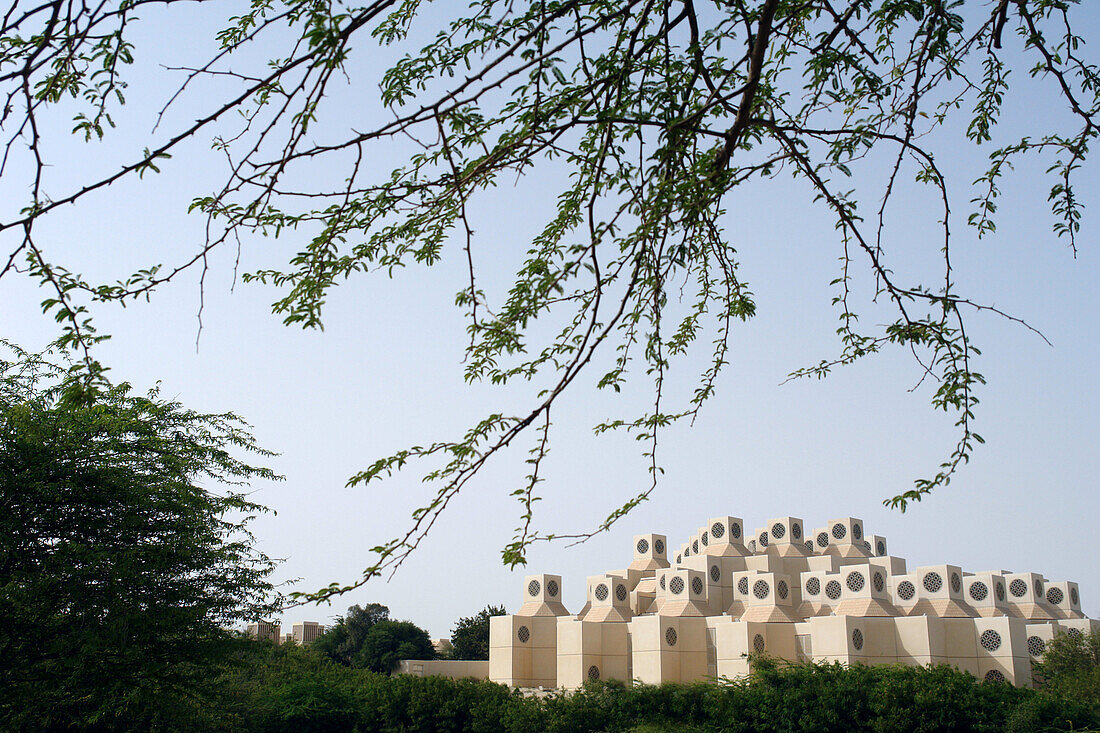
670, 636
906, 591
832, 590
717, 530
643, 547
715, 573
662, 582
822, 539
760, 589
676, 585
552, 587
878, 581
782, 590
840, 531
679, 559
1073, 597
659, 546
1017, 588
1074, 633
778, 531
752, 545
855, 582
857, 639
1055, 595
1000, 591
533, 588
956, 583
704, 539
796, 531
763, 539
601, 592
697, 586
743, 586
990, 640
978, 590
813, 586
994, 675
867, 545
857, 531
593, 672
524, 634
735, 531
620, 593
1036, 646
758, 644
932, 582
695, 547
809, 545
880, 548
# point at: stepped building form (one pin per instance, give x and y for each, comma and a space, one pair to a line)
828, 594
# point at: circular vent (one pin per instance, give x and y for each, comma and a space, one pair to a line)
679, 559
809, 546
822, 539
715, 573
695, 547
1038, 589
778, 530
1074, 633
752, 545
687, 551
763, 538
932, 582
855, 582
1055, 595
1000, 591
813, 586
1036, 646
704, 539
670, 636
1073, 597
620, 593
796, 531
857, 639
533, 588
879, 582
758, 644
717, 530
990, 640
1017, 588
906, 591
956, 583
867, 545
524, 634
552, 587
839, 531
676, 585
978, 590
880, 548
760, 589
832, 590
743, 586
659, 546
857, 531
735, 531
643, 547
662, 582
593, 672
697, 586
782, 590
601, 592
994, 675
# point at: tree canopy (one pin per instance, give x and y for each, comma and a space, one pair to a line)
343, 640
470, 636
120, 572
653, 114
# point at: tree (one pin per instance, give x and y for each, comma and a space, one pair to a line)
343, 640
655, 113
388, 642
470, 636
1070, 667
119, 571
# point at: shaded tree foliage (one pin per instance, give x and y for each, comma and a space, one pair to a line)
119, 570
388, 642
657, 113
470, 636
1070, 668
343, 640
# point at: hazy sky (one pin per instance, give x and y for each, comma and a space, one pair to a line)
387, 372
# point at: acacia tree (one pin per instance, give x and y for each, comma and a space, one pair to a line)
658, 111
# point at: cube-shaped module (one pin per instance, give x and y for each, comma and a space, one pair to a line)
591, 651
523, 650
814, 600
668, 648
650, 552
786, 535
608, 599
737, 641
1026, 597
878, 546
542, 596
864, 592
845, 537
685, 593
766, 597
1065, 598
727, 535
985, 592
940, 593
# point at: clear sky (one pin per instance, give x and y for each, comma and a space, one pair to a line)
387, 372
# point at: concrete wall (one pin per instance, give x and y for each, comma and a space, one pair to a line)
453, 669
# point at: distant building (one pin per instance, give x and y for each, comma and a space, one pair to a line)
288, 638
265, 630
305, 632
442, 646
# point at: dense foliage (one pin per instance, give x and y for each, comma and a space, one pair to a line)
470, 636
1071, 668
366, 638
342, 640
119, 571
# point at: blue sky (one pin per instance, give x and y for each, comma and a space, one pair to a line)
387, 372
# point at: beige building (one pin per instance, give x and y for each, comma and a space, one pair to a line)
265, 630
305, 632
827, 594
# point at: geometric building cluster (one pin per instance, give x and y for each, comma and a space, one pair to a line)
833, 593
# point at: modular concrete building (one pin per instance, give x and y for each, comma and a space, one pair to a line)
829, 594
